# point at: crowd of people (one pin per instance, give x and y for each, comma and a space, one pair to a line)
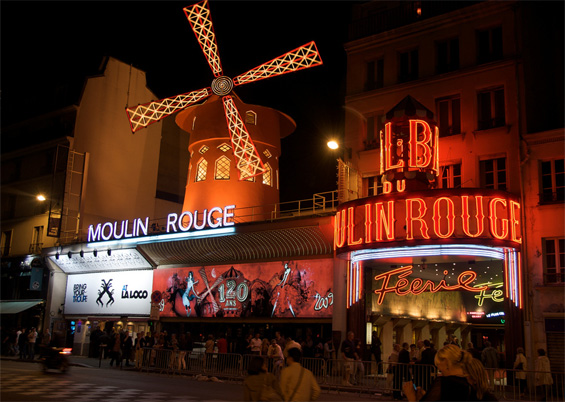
25, 343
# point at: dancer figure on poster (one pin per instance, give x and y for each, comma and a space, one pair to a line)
187, 297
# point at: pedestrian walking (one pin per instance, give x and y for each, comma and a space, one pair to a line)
521, 365
544, 380
297, 382
463, 379
260, 385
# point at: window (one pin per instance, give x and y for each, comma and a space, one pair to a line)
408, 66
451, 176
490, 104
36, 240
250, 117
374, 127
554, 259
489, 45
267, 153
222, 171
448, 110
203, 149
375, 74
447, 56
267, 175
201, 169
6, 242
493, 173
374, 186
552, 181
224, 147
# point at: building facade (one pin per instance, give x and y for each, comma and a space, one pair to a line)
474, 67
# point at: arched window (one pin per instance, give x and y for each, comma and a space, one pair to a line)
250, 117
268, 175
222, 171
201, 169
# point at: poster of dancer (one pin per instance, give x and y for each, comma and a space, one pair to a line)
296, 288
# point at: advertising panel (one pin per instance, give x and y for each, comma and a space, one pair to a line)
287, 289
115, 293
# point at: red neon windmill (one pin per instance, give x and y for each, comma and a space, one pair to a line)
247, 158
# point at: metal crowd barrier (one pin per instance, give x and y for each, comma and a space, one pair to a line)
341, 375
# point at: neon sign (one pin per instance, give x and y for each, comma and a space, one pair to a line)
496, 294
403, 286
214, 218
428, 215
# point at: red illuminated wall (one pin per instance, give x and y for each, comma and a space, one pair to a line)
301, 289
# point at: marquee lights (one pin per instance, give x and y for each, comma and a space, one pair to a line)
417, 286
448, 215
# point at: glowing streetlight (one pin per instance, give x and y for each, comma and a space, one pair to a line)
41, 197
332, 144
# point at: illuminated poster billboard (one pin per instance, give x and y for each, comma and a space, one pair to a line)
109, 293
287, 289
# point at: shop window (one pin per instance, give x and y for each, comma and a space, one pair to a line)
374, 127
451, 176
552, 181
449, 115
222, 170
250, 117
375, 74
201, 170
447, 55
408, 66
267, 175
6, 242
493, 173
490, 105
224, 147
374, 186
554, 260
489, 45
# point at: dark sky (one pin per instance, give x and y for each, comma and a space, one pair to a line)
47, 45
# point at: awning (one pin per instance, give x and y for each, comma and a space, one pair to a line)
14, 307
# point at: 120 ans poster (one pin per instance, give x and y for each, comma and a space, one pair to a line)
299, 288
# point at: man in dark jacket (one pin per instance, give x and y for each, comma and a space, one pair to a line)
426, 365
401, 372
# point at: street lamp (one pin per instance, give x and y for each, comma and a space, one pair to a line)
334, 144
41, 197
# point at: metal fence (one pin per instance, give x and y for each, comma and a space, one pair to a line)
341, 375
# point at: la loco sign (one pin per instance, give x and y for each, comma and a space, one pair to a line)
453, 215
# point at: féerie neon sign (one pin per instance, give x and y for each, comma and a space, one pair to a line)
403, 286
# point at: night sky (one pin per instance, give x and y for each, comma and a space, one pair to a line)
49, 47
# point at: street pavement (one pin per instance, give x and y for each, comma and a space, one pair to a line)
94, 379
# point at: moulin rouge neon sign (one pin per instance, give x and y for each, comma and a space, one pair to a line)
403, 286
450, 214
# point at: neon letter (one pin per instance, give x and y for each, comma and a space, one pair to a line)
388, 150
94, 234
228, 215
351, 227
479, 215
494, 217
410, 219
339, 229
211, 218
514, 221
385, 220
423, 158
368, 224
450, 217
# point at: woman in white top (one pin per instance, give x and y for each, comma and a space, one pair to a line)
521, 365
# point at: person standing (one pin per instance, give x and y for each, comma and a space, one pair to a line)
348, 354
209, 351
127, 346
376, 351
521, 365
255, 344
139, 345
31, 338
489, 357
401, 370
276, 357
260, 385
116, 349
543, 374
297, 382
329, 355
426, 362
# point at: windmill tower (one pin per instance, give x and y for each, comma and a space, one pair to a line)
227, 166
